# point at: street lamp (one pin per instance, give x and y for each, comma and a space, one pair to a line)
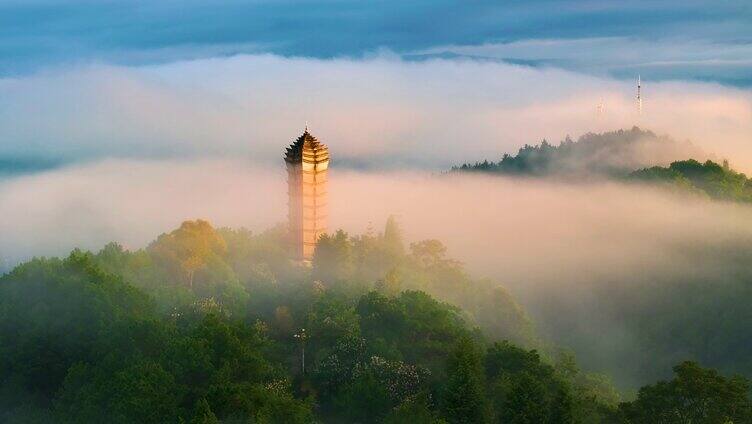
302, 336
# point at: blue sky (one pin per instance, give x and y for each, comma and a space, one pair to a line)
687, 40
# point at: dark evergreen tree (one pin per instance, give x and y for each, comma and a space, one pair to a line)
464, 394
204, 414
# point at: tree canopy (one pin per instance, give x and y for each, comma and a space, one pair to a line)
392, 334
609, 154
709, 178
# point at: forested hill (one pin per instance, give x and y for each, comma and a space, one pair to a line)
615, 153
635, 155
209, 325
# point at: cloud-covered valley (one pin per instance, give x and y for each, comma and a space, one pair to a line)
564, 250
139, 149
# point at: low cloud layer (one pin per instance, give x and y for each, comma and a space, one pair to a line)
497, 225
131, 202
381, 112
487, 221
557, 247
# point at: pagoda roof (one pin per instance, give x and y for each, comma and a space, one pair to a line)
306, 148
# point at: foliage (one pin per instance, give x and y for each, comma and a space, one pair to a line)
635, 155
694, 395
464, 395
610, 154
526, 390
412, 327
85, 346
414, 410
190, 248
204, 414
393, 335
332, 259
709, 178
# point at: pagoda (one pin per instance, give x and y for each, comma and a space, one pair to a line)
307, 161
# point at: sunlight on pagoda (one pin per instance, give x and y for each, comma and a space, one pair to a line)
307, 161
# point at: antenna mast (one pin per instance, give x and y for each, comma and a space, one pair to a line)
639, 95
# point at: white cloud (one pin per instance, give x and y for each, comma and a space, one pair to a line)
380, 111
132, 202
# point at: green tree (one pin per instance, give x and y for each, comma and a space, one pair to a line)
709, 178
190, 248
139, 392
594, 398
413, 327
525, 401
414, 410
464, 396
365, 399
524, 389
203, 413
56, 313
332, 259
695, 395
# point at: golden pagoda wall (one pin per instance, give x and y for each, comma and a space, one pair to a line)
307, 200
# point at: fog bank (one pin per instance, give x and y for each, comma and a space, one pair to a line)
380, 112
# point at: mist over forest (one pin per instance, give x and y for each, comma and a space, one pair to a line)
662, 290
349, 212
597, 266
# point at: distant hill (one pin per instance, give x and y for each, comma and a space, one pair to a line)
633, 155
615, 153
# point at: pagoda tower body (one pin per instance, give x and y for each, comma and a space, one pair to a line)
307, 161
